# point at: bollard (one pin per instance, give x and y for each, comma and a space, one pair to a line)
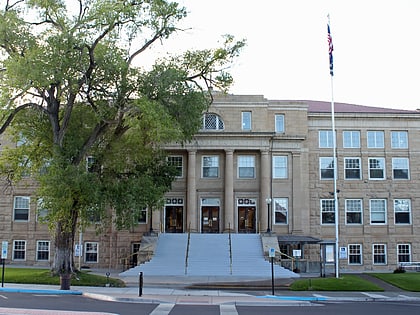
140, 283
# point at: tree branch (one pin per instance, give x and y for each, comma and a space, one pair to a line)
12, 115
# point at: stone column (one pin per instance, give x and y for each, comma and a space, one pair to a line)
265, 190
229, 217
191, 218
300, 214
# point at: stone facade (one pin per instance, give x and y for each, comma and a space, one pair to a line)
255, 167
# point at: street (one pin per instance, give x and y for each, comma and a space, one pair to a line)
29, 304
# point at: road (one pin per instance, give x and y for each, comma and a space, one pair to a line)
31, 304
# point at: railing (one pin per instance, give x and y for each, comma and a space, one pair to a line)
187, 251
230, 250
412, 265
280, 254
126, 261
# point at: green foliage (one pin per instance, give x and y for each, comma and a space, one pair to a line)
344, 283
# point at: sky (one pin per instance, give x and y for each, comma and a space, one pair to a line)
376, 48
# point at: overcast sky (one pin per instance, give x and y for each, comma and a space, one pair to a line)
376, 48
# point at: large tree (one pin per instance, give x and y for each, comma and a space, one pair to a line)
90, 119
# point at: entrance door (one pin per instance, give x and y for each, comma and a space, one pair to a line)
209, 219
174, 219
246, 219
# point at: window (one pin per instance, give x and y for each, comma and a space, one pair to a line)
90, 164
280, 210
403, 253
19, 250
279, 166
400, 168
377, 211
326, 166
354, 211
246, 120
351, 139
43, 250
402, 211
246, 166
327, 211
352, 169
377, 168
210, 166
379, 254
212, 122
355, 254
325, 139
279, 123
91, 252
21, 208
41, 211
142, 219
177, 162
375, 139
399, 139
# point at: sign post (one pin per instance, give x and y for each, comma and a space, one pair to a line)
272, 254
4, 245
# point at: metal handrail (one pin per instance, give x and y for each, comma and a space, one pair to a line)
230, 250
188, 249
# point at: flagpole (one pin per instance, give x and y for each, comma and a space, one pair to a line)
334, 152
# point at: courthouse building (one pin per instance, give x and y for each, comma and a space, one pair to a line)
267, 166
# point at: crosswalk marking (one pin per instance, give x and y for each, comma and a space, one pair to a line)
163, 309
226, 309
374, 296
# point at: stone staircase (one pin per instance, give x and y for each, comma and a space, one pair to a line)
219, 255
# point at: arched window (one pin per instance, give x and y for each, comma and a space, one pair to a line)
212, 122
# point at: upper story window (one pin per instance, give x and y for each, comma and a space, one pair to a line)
375, 139
377, 211
351, 139
327, 211
210, 166
177, 162
280, 210
376, 168
400, 168
142, 218
246, 166
21, 208
279, 123
354, 211
399, 139
326, 167
279, 166
246, 121
212, 122
402, 211
325, 139
352, 168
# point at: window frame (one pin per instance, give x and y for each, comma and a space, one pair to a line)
246, 121
179, 166
143, 214
351, 139
401, 170
352, 210
40, 251
355, 251
375, 139
323, 170
371, 169
376, 212
402, 211
28, 209
92, 252
210, 168
398, 141
244, 167
218, 122
279, 123
280, 209
379, 251
280, 166
403, 252
348, 170
19, 250
326, 213
325, 139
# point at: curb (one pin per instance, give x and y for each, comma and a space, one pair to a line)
41, 291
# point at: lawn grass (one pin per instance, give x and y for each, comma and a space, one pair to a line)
344, 283
44, 276
409, 281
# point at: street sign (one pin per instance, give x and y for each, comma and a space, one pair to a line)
272, 253
4, 245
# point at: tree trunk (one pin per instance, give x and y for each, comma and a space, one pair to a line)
63, 259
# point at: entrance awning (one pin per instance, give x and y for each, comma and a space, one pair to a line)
297, 239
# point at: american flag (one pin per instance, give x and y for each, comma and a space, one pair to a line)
330, 50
